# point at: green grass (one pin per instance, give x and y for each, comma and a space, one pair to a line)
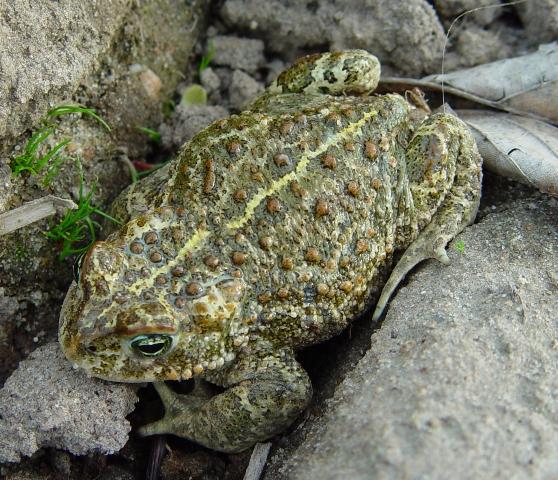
67, 109
33, 161
460, 246
154, 135
76, 230
168, 107
207, 58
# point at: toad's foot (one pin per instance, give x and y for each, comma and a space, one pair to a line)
258, 404
457, 210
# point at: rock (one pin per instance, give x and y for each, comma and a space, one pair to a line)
187, 121
275, 67
47, 403
238, 53
482, 16
540, 18
406, 35
462, 375
476, 46
46, 51
242, 89
210, 80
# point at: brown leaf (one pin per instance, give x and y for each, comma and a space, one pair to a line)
517, 147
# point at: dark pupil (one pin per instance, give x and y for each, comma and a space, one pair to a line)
150, 345
152, 348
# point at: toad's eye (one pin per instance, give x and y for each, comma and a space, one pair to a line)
76, 269
152, 345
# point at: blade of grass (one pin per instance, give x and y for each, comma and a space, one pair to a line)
207, 58
67, 109
26, 162
154, 135
76, 230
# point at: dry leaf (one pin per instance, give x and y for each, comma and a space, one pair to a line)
517, 147
527, 84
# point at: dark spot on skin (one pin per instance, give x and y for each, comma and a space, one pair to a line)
370, 149
211, 261
150, 238
353, 189
264, 298
273, 205
286, 128
161, 280
312, 255
240, 195
233, 147
287, 263
281, 160
209, 180
180, 302
321, 208
194, 289
155, 257
266, 242
332, 118
238, 258
283, 293
177, 271
328, 161
361, 246
136, 247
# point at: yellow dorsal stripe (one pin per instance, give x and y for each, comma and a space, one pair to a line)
201, 234
300, 169
192, 243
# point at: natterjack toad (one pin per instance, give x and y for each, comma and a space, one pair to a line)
270, 232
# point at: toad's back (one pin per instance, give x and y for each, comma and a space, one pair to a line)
302, 203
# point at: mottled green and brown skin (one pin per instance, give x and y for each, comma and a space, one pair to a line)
270, 232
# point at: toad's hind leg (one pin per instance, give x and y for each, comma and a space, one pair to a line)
263, 398
458, 207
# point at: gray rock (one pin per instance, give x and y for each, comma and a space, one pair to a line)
406, 35
46, 51
242, 89
462, 376
482, 16
238, 53
47, 403
540, 18
210, 80
187, 121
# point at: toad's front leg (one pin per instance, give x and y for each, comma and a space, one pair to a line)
262, 399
